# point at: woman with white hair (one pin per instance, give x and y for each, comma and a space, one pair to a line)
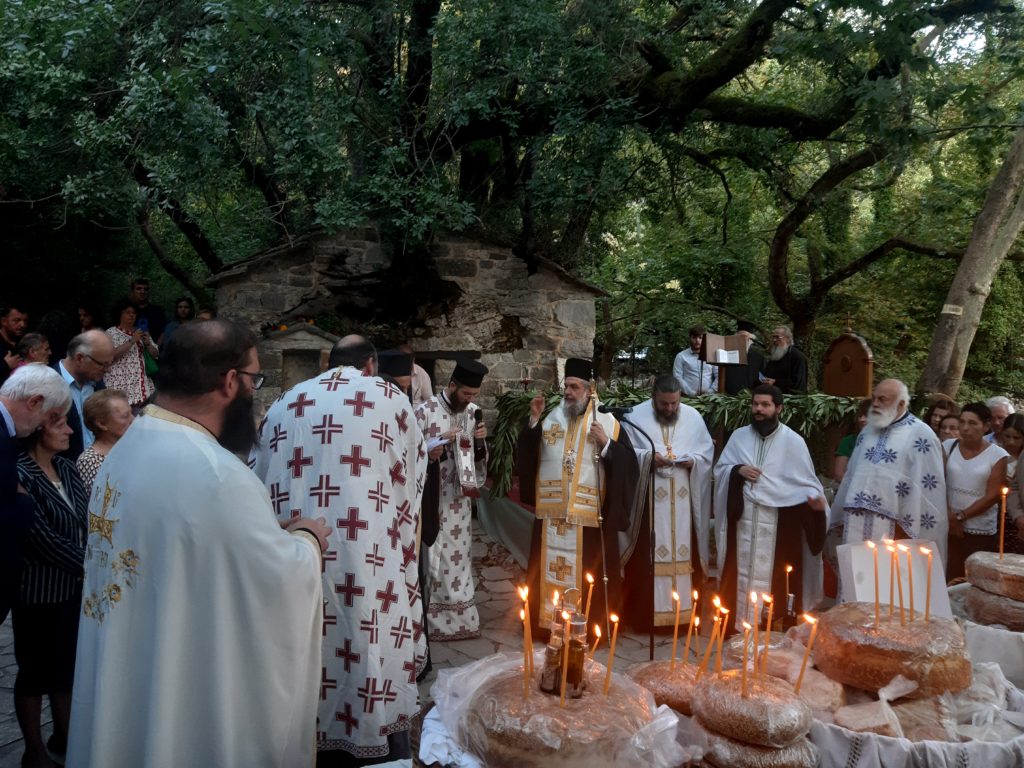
1000, 407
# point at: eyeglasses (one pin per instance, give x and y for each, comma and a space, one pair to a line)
257, 378
100, 363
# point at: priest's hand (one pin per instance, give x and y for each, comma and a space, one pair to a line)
598, 435
817, 503
480, 432
750, 473
536, 408
318, 527
435, 453
661, 461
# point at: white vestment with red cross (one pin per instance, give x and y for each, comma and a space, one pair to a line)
346, 447
452, 613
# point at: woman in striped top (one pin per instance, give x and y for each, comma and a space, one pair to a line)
46, 615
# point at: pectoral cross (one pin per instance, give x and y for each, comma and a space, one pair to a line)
553, 435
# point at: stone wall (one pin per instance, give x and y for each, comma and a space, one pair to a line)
522, 324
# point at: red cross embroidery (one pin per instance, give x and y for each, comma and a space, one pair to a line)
356, 460
397, 477
349, 589
371, 694
330, 620
325, 683
327, 429
410, 667
417, 630
402, 420
390, 390
456, 531
359, 403
278, 497
434, 430
457, 557
401, 632
421, 451
387, 596
300, 404
350, 657
375, 558
378, 496
353, 524
382, 434
412, 591
347, 718
324, 491
456, 583
395, 534
408, 555
277, 437
370, 627
332, 383
404, 515
298, 462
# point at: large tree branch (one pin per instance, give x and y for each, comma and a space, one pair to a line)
172, 268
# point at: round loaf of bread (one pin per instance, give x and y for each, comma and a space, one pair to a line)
986, 608
851, 649
770, 716
671, 687
505, 729
1000, 577
729, 753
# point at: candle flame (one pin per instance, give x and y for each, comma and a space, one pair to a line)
888, 542
925, 551
695, 595
696, 621
753, 597
891, 548
810, 619
597, 630
716, 602
565, 615
902, 547
724, 610
1005, 490
675, 595
789, 569
767, 598
523, 593
522, 615
590, 579
613, 618
871, 544
746, 627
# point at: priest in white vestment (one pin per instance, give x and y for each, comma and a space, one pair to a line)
895, 485
770, 512
453, 427
345, 444
680, 488
199, 642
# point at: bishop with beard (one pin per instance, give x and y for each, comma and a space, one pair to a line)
771, 512
894, 486
577, 467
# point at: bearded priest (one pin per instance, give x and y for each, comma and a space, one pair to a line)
895, 485
680, 493
771, 512
577, 466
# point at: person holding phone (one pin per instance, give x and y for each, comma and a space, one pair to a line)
128, 371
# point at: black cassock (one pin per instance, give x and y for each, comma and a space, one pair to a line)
620, 478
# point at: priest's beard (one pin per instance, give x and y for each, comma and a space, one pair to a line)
573, 410
765, 426
239, 433
666, 419
777, 353
882, 417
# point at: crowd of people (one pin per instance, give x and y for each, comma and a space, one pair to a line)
187, 583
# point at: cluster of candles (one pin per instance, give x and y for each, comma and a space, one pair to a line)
897, 582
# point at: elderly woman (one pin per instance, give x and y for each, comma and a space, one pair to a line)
46, 614
107, 415
128, 372
975, 475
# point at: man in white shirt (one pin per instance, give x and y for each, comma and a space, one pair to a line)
696, 376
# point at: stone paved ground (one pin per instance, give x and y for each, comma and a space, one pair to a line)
496, 575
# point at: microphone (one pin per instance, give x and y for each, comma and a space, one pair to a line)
478, 416
615, 410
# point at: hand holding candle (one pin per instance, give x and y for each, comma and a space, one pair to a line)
807, 654
611, 652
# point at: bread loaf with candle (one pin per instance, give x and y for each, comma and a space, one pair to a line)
771, 715
671, 687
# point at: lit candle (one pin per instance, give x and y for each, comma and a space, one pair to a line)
757, 623
526, 658
1002, 519
892, 576
721, 639
899, 583
694, 621
611, 652
807, 654
597, 639
789, 570
767, 634
675, 632
590, 594
524, 594
874, 551
746, 636
928, 591
565, 657
711, 644
910, 577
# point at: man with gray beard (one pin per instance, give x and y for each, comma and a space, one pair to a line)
785, 366
577, 466
894, 485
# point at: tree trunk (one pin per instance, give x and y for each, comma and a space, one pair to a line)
994, 233
172, 268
